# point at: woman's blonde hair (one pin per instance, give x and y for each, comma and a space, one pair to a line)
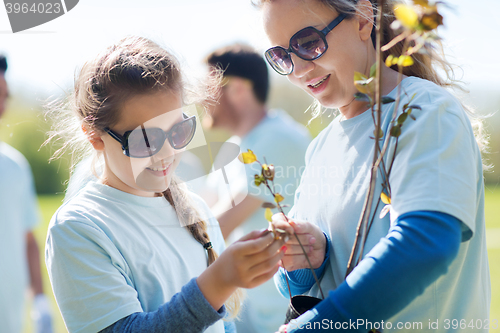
425, 64
134, 66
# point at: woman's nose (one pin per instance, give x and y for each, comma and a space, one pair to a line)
301, 67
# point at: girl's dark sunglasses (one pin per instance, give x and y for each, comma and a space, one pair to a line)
145, 142
307, 44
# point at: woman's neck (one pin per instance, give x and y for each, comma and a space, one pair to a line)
389, 82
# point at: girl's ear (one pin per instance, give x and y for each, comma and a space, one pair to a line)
94, 138
365, 18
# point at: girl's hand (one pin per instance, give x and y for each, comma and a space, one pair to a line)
253, 259
247, 263
311, 237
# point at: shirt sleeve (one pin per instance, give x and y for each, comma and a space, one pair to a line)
188, 306
437, 166
420, 247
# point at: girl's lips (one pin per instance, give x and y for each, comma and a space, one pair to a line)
320, 85
160, 171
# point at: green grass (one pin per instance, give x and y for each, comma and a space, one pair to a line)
49, 205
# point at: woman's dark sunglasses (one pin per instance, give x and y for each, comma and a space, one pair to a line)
145, 142
307, 44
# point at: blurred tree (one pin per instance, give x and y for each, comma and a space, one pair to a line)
24, 128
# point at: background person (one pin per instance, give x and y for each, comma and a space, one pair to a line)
241, 109
19, 254
427, 259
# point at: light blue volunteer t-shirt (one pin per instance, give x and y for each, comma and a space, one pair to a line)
438, 167
18, 214
110, 254
283, 143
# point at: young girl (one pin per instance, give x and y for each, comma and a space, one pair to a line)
129, 252
425, 264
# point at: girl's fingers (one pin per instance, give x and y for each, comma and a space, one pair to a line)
267, 253
264, 277
266, 268
254, 235
253, 246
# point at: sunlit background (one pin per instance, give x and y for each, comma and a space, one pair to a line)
43, 61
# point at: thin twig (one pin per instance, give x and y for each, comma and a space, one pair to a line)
298, 240
365, 215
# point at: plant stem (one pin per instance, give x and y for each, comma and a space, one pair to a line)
365, 214
298, 240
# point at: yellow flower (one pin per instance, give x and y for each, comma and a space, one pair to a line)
248, 157
406, 15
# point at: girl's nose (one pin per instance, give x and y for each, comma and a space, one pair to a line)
166, 152
301, 67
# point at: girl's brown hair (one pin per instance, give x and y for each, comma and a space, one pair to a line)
425, 64
134, 66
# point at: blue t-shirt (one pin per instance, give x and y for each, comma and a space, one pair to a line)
438, 168
18, 214
110, 254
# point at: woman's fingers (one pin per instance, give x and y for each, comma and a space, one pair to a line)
280, 222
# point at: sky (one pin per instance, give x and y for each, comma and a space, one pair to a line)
43, 60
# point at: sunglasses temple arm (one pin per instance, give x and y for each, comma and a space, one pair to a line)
334, 23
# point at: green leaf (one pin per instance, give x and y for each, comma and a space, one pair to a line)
365, 86
359, 77
387, 100
413, 117
373, 70
258, 180
380, 133
402, 118
359, 96
396, 131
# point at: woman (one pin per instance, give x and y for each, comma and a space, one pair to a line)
425, 264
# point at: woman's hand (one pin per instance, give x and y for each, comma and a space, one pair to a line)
247, 263
311, 237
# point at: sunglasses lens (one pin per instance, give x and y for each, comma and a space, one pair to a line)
144, 142
279, 60
308, 44
182, 133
